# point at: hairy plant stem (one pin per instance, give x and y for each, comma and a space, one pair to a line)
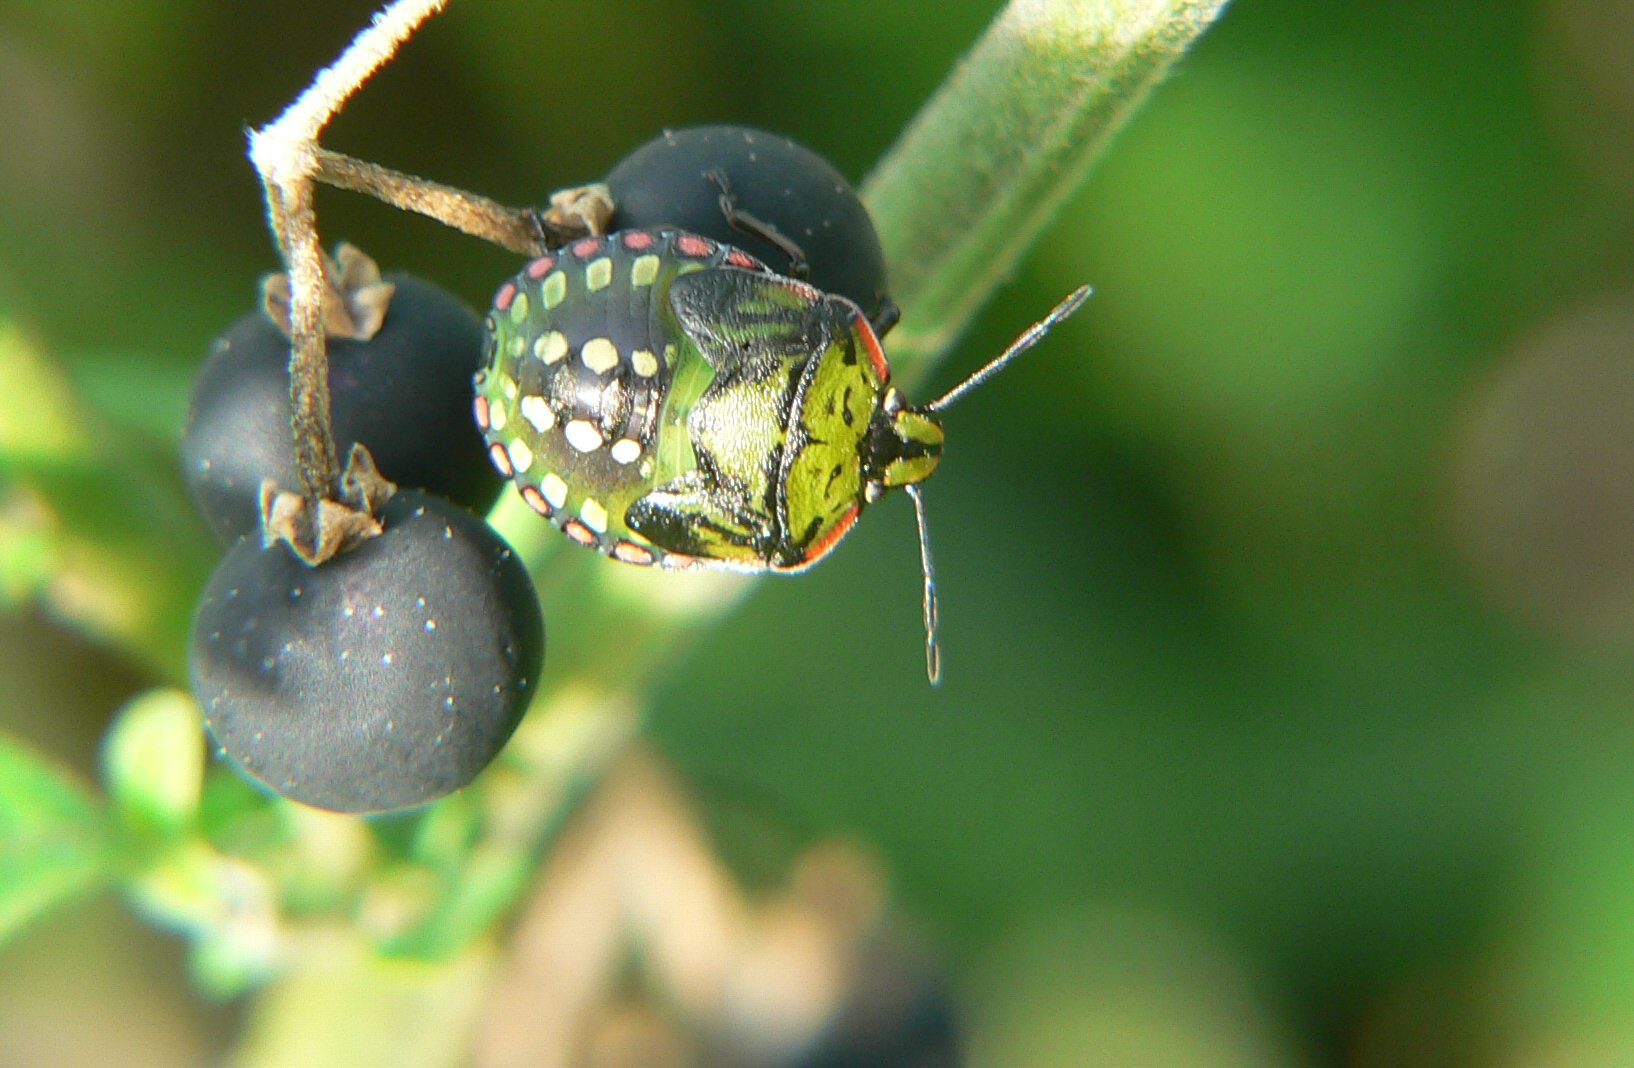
957, 200
315, 459
983, 167
515, 229
524, 231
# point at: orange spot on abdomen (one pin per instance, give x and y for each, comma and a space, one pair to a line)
579, 532
693, 245
537, 502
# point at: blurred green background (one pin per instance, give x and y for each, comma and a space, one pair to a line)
1288, 591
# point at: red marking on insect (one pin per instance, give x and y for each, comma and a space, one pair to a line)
506, 294
587, 247
579, 532
501, 459
871, 343
479, 408
693, 245
679, 561
537, 502
541, 266
803, 291
822, 545
739, 258
631, 553
637, 240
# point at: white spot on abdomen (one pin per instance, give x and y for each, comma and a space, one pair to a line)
536, 411
583, 435
551, 346
594, 515
599, 354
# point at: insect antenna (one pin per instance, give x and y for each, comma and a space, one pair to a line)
1029, 337
933, 650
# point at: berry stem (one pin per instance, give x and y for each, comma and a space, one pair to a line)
315, 460
283, 150
524, 231
289, 160
285, 155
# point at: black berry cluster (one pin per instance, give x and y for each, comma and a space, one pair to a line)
391, 672
394, 671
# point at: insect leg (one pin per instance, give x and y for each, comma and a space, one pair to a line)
745, 223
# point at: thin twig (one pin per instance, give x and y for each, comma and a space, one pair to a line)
315, 459
573, 213
515, 229
283, 150
284, 153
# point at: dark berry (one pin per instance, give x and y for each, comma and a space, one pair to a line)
387, 676
774, 179
405, 394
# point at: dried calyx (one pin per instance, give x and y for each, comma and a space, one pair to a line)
355, 301
355, 296
338, 525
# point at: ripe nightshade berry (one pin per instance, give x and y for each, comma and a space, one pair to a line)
405, 394
388, 676
772, 178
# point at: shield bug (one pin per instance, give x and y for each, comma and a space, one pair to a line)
671, 401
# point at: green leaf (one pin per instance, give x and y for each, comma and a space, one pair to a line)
54, 838
153, 762
94, 522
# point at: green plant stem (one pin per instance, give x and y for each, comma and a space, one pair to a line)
980, 171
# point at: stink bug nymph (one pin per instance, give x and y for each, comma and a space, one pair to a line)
671, 401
